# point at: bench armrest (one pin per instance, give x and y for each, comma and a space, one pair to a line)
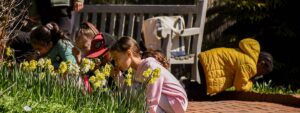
190, 31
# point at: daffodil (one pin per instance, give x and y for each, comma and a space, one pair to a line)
73, 69
100, 76
41, 62
48, 62
24, 65
130, 70
99, 79
97, 84
62, 68
92, 65
87, 65
128, 79
8, 52
92, 79
152, 80
147, 72
156, 73
107, 69
32, 65
128, 82
50, 68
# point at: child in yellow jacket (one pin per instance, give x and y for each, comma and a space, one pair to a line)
227, 67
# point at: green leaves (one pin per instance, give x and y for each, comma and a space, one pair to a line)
40, 91
269, 88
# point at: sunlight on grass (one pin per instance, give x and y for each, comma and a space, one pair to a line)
269, 88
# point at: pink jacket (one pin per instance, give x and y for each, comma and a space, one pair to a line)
166, 84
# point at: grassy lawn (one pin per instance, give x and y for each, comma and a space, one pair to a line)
270, 88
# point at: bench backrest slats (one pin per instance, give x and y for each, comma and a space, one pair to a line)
127, 20
120, 20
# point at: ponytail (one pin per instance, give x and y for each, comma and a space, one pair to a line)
158, 55
50, 32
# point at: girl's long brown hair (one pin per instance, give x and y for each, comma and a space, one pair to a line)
126, 43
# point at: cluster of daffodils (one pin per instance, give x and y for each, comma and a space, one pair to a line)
64, 68
43, 66
151, 75
128, 79
73, 69
99, 77
69, 67
87, 65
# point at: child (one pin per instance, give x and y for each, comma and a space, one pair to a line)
222, 68
90, 43
165, 94
51, 42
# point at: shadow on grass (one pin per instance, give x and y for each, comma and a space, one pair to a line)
194, 94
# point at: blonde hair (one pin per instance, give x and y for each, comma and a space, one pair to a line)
87, 29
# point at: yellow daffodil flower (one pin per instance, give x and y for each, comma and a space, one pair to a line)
32, 65
8, 52
92, 79
62, 68
147, 72
128, 82
156, 73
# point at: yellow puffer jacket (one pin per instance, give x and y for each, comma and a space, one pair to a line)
227, 67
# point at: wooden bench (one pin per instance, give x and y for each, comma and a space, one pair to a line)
127, 20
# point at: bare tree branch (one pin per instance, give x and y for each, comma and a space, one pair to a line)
12, 13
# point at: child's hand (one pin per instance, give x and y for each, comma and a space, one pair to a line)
76, 54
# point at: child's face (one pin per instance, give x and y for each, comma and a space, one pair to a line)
42, 49
122, 60
83, 43
261, 68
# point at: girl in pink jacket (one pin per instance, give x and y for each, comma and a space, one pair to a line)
164, 95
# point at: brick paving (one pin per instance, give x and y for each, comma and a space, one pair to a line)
236, 106
244, 102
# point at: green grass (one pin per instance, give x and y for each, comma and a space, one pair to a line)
21, 89
270, 88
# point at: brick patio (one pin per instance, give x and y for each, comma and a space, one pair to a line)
245, 102
235, 106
